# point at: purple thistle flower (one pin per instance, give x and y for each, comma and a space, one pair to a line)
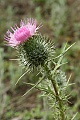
22, 33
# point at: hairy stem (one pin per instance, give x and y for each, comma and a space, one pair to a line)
60, 101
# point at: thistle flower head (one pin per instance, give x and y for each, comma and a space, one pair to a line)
35, 52
22, 33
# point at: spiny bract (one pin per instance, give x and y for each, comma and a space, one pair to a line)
34, 52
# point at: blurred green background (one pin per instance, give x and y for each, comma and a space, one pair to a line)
61, 23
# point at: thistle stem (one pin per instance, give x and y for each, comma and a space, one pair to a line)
60, 101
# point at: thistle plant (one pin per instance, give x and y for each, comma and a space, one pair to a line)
35, 51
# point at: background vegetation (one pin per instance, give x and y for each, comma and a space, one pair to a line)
61, 23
